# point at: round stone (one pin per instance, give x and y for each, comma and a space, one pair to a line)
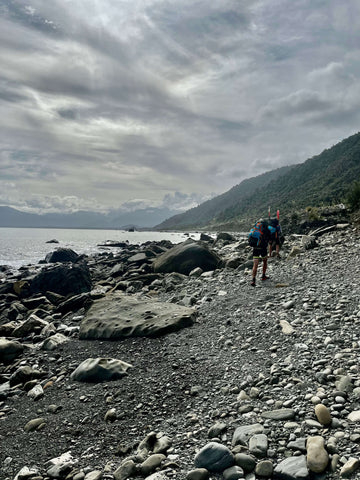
323, 414
264, 468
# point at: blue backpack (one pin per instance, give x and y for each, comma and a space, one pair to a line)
256, 233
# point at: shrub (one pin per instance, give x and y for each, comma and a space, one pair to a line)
353, 196
313, 213
295, 217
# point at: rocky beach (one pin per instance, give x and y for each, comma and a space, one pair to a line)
162, 362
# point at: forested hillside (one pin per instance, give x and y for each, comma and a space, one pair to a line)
208, 211
323, 179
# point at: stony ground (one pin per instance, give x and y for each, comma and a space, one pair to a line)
291, 341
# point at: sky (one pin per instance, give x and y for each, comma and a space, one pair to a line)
108, 104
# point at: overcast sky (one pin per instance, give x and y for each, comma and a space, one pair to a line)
112, 102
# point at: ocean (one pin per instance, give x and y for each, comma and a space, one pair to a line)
24, 246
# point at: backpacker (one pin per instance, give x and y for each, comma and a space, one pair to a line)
256, 233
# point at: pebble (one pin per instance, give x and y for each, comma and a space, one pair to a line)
323, 414
233, 473
198, 474
34, 424
258, 445
279, 414
317, 456
245, 461
125, 470
264, 468
354, 416
294, 468
95, 475
350, 467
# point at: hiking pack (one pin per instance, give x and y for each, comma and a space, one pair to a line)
256, 233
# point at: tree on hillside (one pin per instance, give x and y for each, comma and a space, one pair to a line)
353, 197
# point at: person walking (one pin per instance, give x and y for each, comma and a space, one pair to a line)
259, 238
275, 239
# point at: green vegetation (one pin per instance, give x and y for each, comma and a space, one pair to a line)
353, 197
321, 180
313, 213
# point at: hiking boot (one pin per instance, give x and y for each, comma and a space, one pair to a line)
253, 283
264, 277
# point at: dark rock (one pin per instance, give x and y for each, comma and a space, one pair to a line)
215, 457
63, 279
9, 349
185, 257
35, 302
74, 303
206, 238
141, 257
23, 375
225, 237
62, 255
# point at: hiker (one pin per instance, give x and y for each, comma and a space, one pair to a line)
276, 236
259, 238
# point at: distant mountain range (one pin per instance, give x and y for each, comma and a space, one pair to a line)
140, 219
321, 180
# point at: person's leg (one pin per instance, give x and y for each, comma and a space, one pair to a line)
254, 271
265, 263
264, 266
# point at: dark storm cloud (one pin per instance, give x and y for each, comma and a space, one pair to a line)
138, 99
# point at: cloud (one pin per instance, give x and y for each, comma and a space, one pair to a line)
104, 102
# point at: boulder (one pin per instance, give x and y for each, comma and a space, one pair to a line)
204, 237
100, 370
225, 237
24, 374
32, 324
63, 280
9, 349
54, 341
141, 257
62, 255
74, 303
118, 316
215, 457
183, 258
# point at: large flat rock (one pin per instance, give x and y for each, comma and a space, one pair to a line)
119, 316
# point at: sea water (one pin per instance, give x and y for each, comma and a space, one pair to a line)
24, 246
